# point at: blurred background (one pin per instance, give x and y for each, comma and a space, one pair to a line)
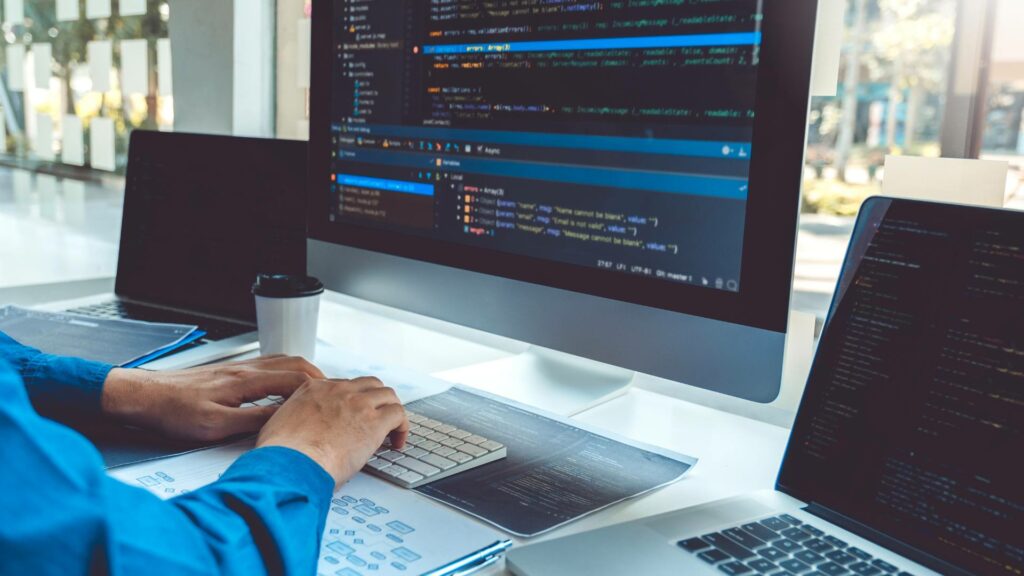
916, 77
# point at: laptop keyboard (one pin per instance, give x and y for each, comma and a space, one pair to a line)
782, 546
215, 329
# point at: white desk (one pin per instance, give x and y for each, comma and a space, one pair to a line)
737, 453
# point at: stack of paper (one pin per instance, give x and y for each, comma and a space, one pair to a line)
126, 343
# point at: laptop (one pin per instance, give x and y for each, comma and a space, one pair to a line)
906, 454
203, 215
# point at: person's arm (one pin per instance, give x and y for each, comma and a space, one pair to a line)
59, 387
62, 514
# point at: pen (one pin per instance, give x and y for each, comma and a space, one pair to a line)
473, 562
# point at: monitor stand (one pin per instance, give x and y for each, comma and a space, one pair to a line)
553, 381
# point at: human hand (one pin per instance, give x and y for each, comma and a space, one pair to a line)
204, 403
338, 423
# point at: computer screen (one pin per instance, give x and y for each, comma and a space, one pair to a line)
592, 133
614, 179
204, 214
913, 418
589, 136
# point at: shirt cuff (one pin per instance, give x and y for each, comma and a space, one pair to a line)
285, 467
58, 384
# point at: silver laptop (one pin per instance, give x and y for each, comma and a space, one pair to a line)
905, 457
203, 215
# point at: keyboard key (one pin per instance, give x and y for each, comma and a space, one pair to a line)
435, 460
438, 437
728, 545
761, 565
773, 554
885, 566
713, 556
444, 451
491, 445
391, 455
420, 467
452, 442
796, 534
414, 418
818, 545
394, 471
459, 457
787, 546
864, 569
795, 566
446, 428
832, 569
812, 530
693, 545
734, 568
761, 532
410, 477
429, 445
858, 553
792, 521
415, 452
378, 464
744, 538
460, 434
415, 439
775, 524
475, 451
474, 439
835, 541
808, 557
428, 423
840, 557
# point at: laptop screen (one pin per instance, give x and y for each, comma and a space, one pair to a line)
203, 215
912, 422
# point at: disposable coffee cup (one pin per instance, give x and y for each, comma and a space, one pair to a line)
286, 314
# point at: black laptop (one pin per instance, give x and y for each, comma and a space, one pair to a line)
203, 215
907, 455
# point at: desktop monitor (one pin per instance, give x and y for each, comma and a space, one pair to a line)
614, 179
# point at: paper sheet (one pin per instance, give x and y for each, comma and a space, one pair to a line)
556, 472
43, 143
976, 182
97, 9
101, 60
67, 10
42, 56
373, 526
164, 75
14, 12
101, 144
135, 66
132, 7
73, 143
16, 67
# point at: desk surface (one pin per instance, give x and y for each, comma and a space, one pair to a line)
736, 453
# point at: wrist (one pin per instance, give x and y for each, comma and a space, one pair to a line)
125, 395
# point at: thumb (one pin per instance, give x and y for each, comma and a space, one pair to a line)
244, 420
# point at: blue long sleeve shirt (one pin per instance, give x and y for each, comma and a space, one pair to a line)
61, 514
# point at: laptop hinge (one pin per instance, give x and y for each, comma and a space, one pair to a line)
187, 311
884, 540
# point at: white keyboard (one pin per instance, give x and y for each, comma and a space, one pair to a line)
433, 451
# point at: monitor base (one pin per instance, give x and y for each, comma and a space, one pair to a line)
553, 381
